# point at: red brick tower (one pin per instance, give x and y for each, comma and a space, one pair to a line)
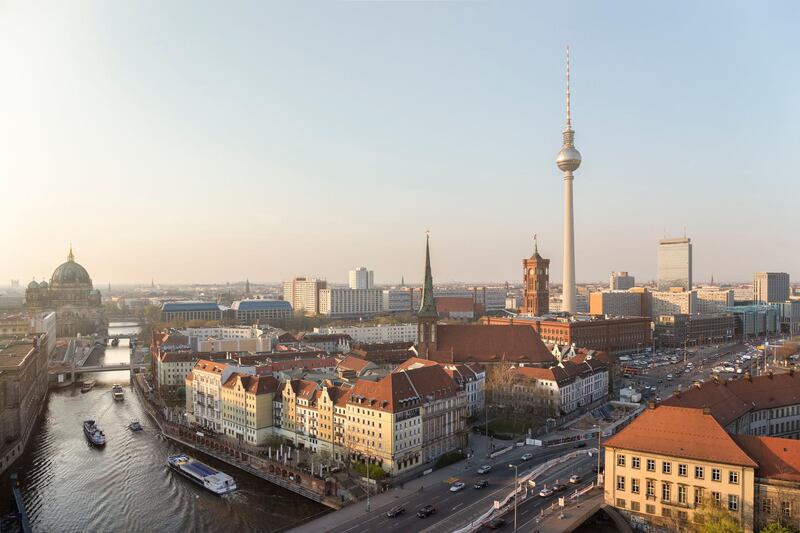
536, 283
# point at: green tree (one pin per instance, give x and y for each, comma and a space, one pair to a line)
776, 527
713, 518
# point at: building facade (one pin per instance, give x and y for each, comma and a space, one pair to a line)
536, 284
714, 300
674, 331
615, 303
673, 302
185, 311
361, 278
621, 281
770, 287
374, 334
350, 302
675, 264
303, 294
257, 311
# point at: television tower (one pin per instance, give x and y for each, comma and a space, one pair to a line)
568, 160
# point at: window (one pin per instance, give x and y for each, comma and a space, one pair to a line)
636, 462
766, 506
651, 465
699, 472
650, 508
635, 506
620, 482
733, 478
698, 496
786, 508
682, 494
665, 492
651, 489
716, 475
666, 511
683, 516
620, 460
683, 470
717, 497
733, 502
620, 503
666, 467
635, 486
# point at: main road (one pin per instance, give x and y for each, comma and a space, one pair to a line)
455, 509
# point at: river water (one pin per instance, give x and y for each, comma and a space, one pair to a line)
70, 486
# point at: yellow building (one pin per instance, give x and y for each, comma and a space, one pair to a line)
671, 460
247, 403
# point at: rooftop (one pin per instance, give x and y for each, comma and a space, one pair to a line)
14, 355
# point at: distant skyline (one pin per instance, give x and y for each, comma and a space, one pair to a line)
192, 142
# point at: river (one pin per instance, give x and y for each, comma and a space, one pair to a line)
69, 486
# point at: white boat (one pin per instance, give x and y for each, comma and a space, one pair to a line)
117, 393
94, 433
207, 477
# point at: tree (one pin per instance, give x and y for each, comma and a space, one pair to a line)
713, 518
776, 527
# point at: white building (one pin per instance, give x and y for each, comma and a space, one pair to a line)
350, 302
621, 281
206, 379
675, 263
303, 294
674, 303
172, 369
398, 300
713, 300
375, 334
235, 332
361, 278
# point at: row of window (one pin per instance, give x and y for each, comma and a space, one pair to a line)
683, 469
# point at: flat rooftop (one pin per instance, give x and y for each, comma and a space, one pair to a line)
14, 355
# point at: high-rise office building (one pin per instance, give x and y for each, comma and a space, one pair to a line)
361, 278
621, 281
303, 294
675, 263
769, 287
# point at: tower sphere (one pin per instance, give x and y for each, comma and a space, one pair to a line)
569, 159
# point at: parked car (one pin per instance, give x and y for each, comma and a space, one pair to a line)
497, 523
484, 469
482, 484
426, 511
575, 478
527, 457
455, 487
395, 511
580, 445
545, 492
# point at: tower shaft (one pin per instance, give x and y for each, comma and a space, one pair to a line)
568, 281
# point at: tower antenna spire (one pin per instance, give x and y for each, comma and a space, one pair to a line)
569, 119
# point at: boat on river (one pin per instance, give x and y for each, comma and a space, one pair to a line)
114, 342
135, 425
87, 385
207, 477
117, 393
93, 433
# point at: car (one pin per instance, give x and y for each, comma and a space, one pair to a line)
482, 484
395, 511
496, 523
545, 492
558, 487
580, 445
455, 487
574, 478
426, 511
484, 469
527, 457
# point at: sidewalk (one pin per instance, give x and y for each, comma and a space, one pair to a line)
573, 516
478, 443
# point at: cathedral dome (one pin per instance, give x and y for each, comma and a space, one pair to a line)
43, 285
33, 285
70, 273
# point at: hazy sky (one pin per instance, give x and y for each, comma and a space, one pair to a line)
194, 141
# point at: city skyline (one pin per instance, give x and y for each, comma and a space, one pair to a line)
217, 133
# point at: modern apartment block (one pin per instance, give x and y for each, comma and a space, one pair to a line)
615, 303
374, 334
342, 302
303, 294
673, 302
398, 300
715, 300
621, 281
771, 287
361, 278
255, 311
675, 263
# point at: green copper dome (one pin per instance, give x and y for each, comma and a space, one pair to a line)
70, 273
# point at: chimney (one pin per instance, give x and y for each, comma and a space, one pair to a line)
651, 404
706, 410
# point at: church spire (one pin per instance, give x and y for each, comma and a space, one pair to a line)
71, 256
427, 308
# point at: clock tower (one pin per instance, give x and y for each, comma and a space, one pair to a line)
536, 283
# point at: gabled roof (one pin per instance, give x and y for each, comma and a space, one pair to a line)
354, 363
258, 384
404, 389
680, 432
209, 366
456, 343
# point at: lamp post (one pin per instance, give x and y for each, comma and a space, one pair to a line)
516, 471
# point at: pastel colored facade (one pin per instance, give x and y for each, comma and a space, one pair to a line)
471, 379
207, 379
615, 303
303, 294
247, 407
715, 300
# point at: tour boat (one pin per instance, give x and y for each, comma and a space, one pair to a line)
135, 425
94, 433
87, 385
114, 342
116, 392
209, 478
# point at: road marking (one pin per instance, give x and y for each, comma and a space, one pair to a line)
457, 506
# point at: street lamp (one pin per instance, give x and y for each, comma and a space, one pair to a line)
516, 487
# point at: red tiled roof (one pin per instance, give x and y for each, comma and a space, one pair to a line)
730, 400
489, 344
777, 458
455, 304
680, 432
352, 362
405, 389
209, 366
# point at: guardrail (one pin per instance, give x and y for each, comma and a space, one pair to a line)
501, 507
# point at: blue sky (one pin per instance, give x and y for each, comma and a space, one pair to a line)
199, 141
